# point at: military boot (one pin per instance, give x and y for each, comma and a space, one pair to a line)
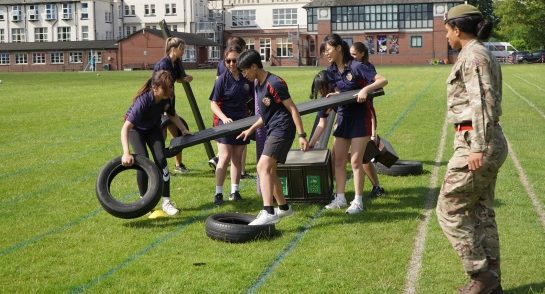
481, 283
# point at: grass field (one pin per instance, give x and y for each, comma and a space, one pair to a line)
59, 129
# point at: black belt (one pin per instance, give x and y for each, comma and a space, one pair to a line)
466, 123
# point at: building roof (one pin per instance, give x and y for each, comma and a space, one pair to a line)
334, 3
51, 46
189, 38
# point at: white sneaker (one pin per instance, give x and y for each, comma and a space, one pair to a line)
170, 208
283, 213
264, 218
336, 203
355, 208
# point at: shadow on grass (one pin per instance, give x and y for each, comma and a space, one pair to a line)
165, 222
529, 288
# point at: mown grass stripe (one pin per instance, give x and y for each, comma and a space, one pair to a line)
526, 100
280, 257
415, 264
538, 207
529, 83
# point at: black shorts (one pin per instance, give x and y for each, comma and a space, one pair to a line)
277, 148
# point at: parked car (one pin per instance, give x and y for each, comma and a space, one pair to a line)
519, 55
533, 57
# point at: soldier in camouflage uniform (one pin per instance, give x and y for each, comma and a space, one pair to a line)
465, 204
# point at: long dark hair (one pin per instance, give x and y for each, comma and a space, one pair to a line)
160, 78
335, 40
473, 24
361, 48
320, 85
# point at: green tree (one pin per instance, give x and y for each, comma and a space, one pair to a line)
521, 22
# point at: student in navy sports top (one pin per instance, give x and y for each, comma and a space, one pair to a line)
280, 117
142, 128
171, 62
228, 102
359, 51
354, 128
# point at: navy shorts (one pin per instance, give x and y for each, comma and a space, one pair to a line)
231, 139
277, 148
353, 127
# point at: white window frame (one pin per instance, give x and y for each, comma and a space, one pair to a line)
16, 13
38, 57
56, 57
63, 34
84, 10
66, 10
75, 57
97, 54
4, 58
2, 36
149, 9
18, 35
21, 58
33, 13
40, 34
285, 46
284, 17
84, 33
51, 12
243, 18
416, 42
190, 54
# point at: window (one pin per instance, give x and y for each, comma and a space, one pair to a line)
66, 11
84, 33
97, 55
40, 34
17, 35
4, 58
38, 57
33, 12
250, 43
130, 10
50, 11
243, 18
84, 10
312, 19
130, 30
149, 9
415, 16
16, 14
170, 8
108, 17
2, 15
21, 58
173, 28
189, 54
76, 57
2, 37
56, 57
63, 34
416, 41
284, 47
284, 16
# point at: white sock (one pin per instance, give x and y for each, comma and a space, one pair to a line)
166, 199
358, 199
234, 188
341, 196
219, 189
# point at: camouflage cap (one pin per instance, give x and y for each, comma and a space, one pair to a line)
461, 10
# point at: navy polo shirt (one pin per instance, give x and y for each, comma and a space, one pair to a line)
221, 68
355, 76
145, 113
231, 96
276, 118
176, 70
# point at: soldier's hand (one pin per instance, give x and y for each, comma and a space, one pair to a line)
475, 161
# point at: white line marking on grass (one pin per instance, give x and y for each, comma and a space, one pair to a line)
527, 186
530, 83
415, 265
526, 100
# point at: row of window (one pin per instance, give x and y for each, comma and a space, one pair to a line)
149, 9
281, 17
54, 57
41, 34
51, 12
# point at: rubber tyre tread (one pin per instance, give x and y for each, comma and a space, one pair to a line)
234, 228
132, 209
400, 168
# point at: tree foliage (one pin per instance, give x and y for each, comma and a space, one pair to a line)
521, 22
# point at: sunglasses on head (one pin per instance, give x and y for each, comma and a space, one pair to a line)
230, 61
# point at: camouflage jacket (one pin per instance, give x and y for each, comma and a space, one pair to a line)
474, 92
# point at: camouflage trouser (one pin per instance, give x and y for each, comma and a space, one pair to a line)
465, 204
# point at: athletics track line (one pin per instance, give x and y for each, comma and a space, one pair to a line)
526, 100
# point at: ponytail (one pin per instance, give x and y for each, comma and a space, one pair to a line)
173, 42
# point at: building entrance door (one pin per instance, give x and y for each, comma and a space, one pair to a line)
265, 49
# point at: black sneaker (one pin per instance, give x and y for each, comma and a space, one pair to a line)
245, 175
218, 199
181, 169
377, 191
235, 196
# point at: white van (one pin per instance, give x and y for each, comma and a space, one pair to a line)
502, 50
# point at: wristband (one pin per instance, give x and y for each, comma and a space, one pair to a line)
303, 135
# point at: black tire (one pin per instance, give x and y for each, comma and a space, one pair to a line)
233, 227
132, 209
165, 122
400, 168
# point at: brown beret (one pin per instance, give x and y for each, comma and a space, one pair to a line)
462, 10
